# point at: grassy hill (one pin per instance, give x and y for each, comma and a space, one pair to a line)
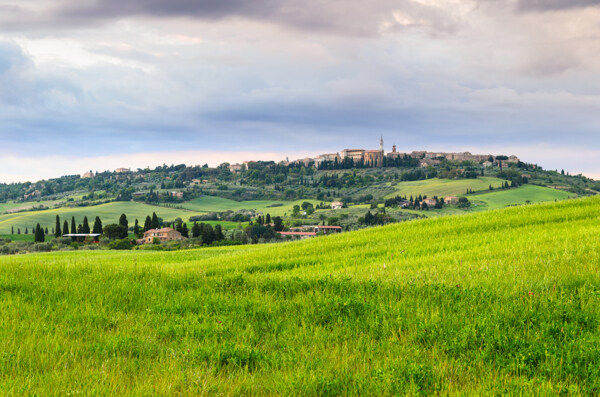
444, 187
218, 204
108, 213
521, 195
501, 302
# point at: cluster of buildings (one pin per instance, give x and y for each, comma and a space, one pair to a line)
376, 157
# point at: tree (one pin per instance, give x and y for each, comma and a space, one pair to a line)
123, 244
155, 223
19, 231
86, 226
195, 230
73, 228
136, 228
218, 233
147, 224
97, 229
12, 230
26, 230
268, 220
114, 231
57, 231
278, 223
65, 228
123, 222
208, 234
39, 236
184, 230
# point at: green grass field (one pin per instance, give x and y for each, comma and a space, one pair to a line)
444, 187
18, 237
502, 302
219, 204
12, 206
108, 213
521, 195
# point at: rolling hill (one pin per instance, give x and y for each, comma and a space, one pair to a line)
108, 213
501, 302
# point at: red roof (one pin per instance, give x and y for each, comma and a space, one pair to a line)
298, 233
164, 229
328, 227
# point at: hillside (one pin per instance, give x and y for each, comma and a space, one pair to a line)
502, 302
108, 213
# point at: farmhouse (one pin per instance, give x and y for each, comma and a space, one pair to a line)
317, 229
327, 229
164, 234
298, 235
430, 202
177, 194
451, 200
337, 205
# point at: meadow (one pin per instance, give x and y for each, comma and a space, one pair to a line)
444, 187
108, 213
501, 302
219, 204
521, 195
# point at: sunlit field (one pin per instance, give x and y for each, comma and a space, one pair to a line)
500, 302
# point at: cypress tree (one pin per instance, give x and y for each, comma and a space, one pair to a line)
86, 225
57, 231
123, 221
195, 230
39, 234
136, 228
65, 228
19, 231
268, 221
26, 230
73, 228
12, 230
219, 232
147, 224
97, 226
46, 230
155, 224
184, 230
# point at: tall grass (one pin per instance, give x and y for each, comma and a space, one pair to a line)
503, 302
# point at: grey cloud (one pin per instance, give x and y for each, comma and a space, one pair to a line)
344, 17
553, 5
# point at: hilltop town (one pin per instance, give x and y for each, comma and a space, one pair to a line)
349, 158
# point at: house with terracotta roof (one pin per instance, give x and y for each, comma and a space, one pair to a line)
453, 200
337, 205
164, 234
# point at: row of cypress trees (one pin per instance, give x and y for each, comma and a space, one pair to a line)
81, 228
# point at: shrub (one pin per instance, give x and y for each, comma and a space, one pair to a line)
123, 244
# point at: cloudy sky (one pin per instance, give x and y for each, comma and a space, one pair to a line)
99, 84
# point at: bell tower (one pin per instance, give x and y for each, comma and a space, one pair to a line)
381, 143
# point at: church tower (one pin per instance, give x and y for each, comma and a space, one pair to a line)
381, 143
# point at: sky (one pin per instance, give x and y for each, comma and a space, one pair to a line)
101, 84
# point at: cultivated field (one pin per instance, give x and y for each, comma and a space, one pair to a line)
219, 204
521, 195
501, 302
108, 213
444, 187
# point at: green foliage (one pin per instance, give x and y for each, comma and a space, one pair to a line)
122, 244
114, 231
